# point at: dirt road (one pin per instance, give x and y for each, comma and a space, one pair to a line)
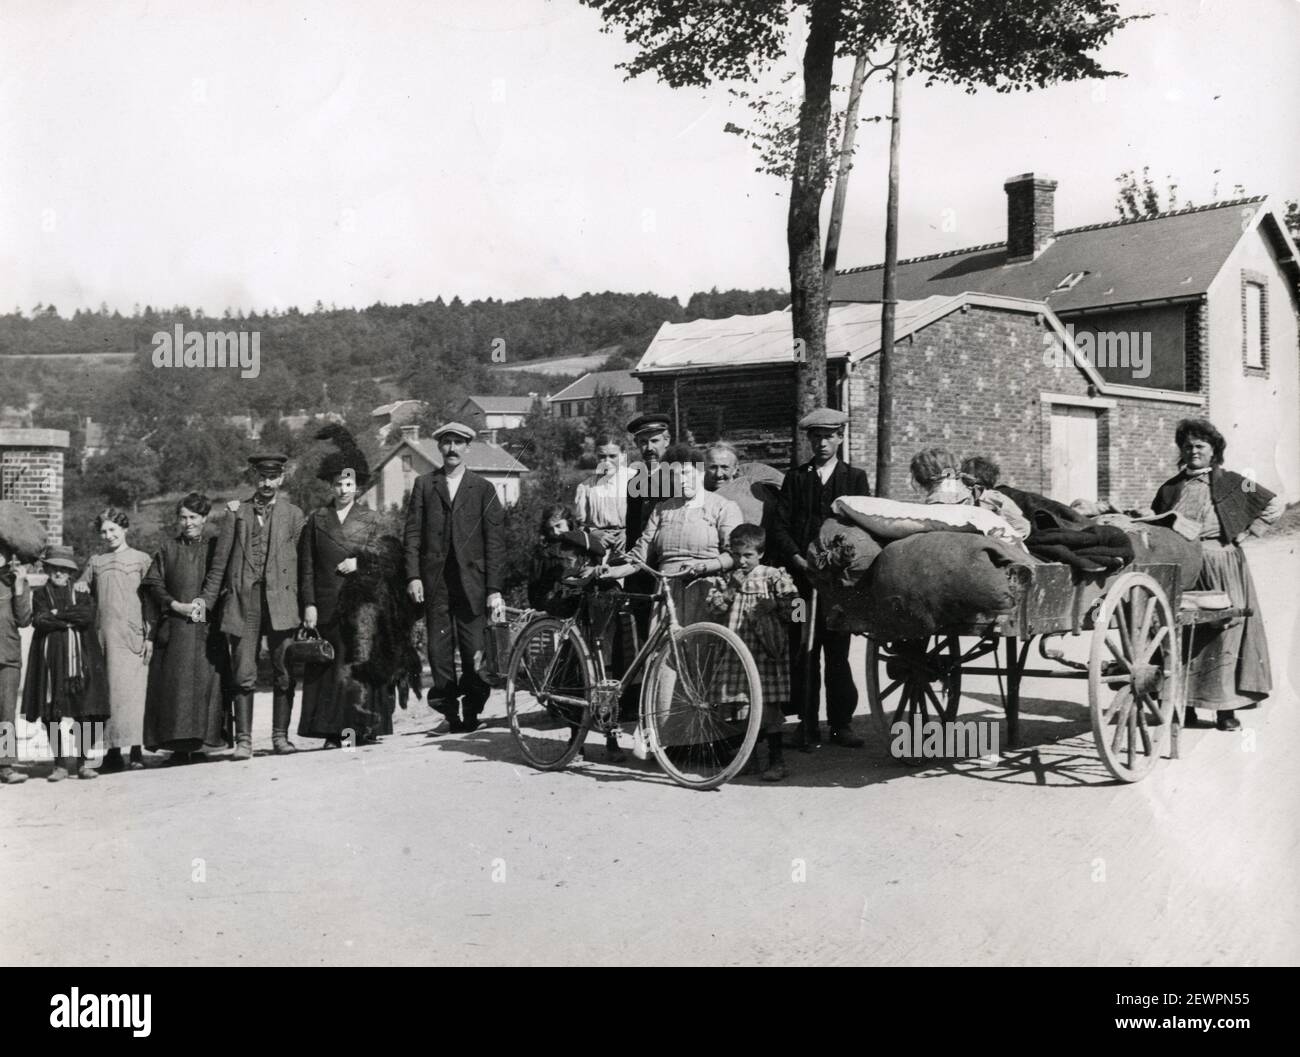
446, 850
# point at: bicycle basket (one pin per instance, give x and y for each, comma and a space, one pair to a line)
498, 643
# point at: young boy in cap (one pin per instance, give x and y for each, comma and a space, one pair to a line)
255, 574
804, 503
455, 552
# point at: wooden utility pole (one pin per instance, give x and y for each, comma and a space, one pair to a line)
889, 295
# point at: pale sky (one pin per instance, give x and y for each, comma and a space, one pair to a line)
284, 152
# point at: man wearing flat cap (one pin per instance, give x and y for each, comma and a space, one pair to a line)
455, 554
254, 574
804, 503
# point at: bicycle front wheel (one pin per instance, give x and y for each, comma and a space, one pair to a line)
548, 683
703, 705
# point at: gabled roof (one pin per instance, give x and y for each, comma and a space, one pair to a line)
1170, 256
852, 332
388, 409
502, 405
621, 383
482, 457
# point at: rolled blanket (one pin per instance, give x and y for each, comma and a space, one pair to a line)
930, 581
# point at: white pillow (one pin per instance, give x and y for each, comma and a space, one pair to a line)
891, 520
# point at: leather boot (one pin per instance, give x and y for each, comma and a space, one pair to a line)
281, 713
243, 727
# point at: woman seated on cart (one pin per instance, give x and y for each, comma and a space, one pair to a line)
1229, 666
940, 476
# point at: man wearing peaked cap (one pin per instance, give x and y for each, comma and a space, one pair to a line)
804, 503
454, 543
454, 429
823, 418
254, 573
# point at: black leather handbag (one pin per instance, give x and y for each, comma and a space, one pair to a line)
308, 647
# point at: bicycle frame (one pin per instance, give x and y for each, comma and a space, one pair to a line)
661, 629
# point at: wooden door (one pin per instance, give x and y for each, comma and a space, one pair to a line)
1074, 454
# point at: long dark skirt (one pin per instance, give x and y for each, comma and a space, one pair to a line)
334, 702
1229, 667
184, 707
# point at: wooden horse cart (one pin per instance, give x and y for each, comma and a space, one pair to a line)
1140, 626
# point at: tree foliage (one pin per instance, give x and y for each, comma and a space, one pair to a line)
1006, 45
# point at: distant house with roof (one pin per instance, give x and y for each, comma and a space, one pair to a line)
491, 415
394, 415
1189, 312
574, 400
394, 474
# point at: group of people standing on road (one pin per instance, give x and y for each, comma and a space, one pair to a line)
157, 647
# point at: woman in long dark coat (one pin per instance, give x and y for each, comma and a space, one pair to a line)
66, 675
338, 542
184, 707
1229, 667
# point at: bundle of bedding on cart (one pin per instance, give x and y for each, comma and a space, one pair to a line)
20, 533
1099, 538
906, 569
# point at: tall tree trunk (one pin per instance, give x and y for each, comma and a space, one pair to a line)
850, 134
803, 227
889, 296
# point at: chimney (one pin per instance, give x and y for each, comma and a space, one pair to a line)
1031, 215
411, 431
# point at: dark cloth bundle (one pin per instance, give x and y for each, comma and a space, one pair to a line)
1158, 545
1058, 533
378, 620
1096, 549
1044, 512
841, 554
20, 532
923, 583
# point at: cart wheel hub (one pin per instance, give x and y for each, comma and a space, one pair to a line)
1147, 679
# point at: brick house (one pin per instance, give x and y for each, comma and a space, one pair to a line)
1190, 312
974, 372
1215, 290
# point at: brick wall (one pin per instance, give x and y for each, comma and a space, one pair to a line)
973, 381
31, 473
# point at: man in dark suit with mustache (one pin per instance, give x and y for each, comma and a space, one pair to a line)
455, 554
255, 575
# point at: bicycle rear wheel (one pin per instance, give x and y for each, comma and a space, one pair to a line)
703, 705
549, 677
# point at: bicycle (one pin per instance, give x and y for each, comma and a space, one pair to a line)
701, 702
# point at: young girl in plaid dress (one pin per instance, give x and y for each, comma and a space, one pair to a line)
758, 602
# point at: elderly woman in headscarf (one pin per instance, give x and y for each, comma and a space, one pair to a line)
340, 541
66, 686
1229, 666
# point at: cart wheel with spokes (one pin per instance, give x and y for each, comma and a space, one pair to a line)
1134, 675
702, 705
913, 681
548, 682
